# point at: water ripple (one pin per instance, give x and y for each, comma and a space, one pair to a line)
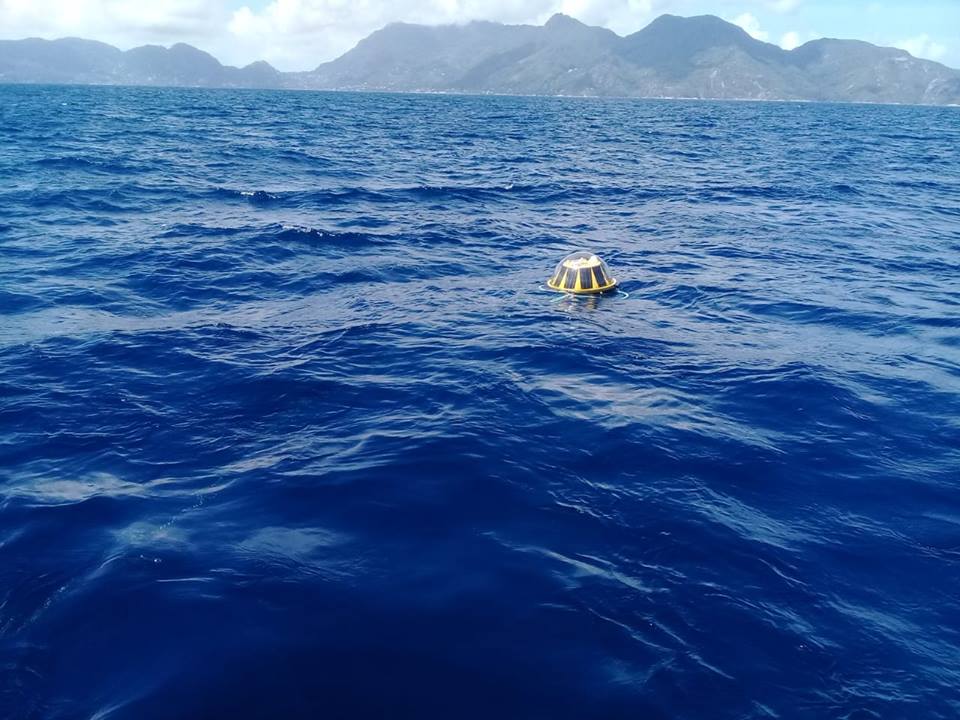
290, 426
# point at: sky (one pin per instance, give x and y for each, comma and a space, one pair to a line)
300, 34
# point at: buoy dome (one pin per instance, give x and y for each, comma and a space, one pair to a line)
582, 273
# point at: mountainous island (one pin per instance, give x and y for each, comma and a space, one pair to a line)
673, 57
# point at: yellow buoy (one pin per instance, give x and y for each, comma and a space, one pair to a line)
582, 273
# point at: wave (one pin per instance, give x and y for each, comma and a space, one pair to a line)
284, 397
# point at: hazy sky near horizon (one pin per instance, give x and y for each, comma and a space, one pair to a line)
300, 34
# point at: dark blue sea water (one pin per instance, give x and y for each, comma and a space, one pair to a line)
291, 428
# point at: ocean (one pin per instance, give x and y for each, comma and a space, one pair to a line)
291, 427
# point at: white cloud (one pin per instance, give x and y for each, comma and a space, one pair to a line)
923, 46
118, 21
790, 40
750, 23
784, 6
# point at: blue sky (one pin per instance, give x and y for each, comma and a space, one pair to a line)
299, 34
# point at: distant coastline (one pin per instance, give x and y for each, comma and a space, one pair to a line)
698, 58
453, 93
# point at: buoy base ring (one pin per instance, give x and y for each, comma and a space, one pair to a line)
591, 291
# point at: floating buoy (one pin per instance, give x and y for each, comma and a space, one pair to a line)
582, 273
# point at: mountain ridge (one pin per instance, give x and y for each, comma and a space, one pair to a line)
78, 61
681, 57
